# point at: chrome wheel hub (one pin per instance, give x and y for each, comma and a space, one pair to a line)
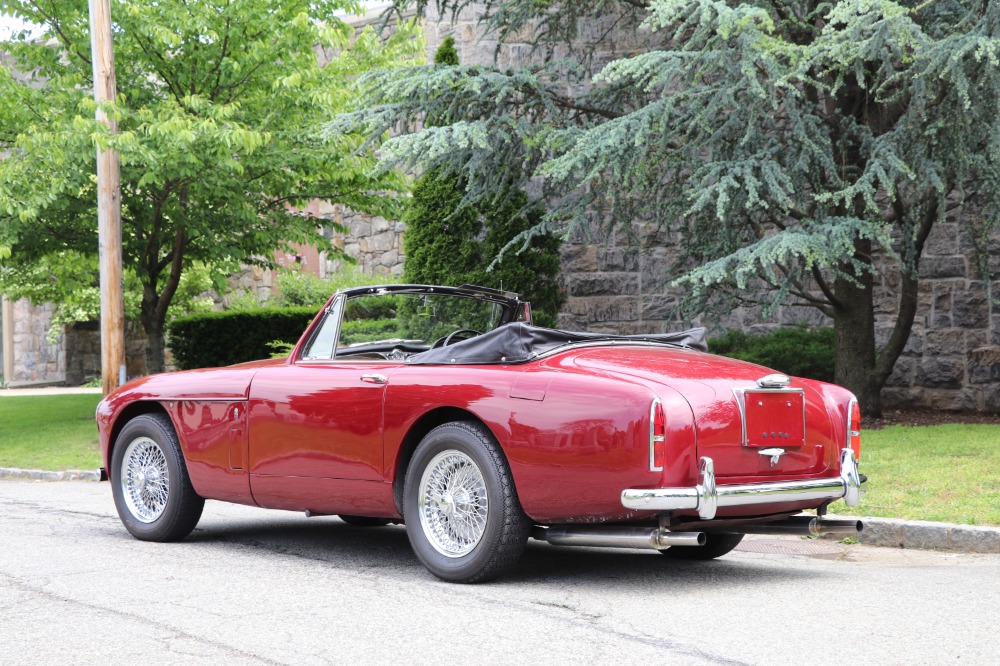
453, 503
145, 479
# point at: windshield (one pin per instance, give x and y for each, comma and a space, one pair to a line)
415, 318
394, 325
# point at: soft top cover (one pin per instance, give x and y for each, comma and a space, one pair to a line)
518, 342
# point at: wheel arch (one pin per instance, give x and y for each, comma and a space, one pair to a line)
415, 435
130, 412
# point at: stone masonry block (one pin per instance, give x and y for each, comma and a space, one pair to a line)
951, 400
973, 539
984, 364
941, 372
600, 284
924, 534
578, 258
945, 341
902, 372
943, 267
942, 241
970, 309
612, 309
882, 532
617, 259
658, 306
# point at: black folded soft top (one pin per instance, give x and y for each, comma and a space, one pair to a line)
518, 342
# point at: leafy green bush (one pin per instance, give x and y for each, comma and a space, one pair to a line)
797, 351
223, 338
368, 330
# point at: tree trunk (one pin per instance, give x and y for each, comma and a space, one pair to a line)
854, 332
153, 324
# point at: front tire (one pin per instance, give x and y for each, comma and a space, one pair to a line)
716, 545
463, 517
150, 483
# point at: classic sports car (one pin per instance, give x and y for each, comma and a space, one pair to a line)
445, 409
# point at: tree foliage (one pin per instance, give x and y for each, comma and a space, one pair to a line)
793, 145
449, 243
218, 108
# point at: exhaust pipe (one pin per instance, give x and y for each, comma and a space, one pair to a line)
800, 526
617, 537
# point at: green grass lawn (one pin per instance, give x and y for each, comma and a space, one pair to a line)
54, 432
948, 473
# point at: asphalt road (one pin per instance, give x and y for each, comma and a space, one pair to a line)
252, 586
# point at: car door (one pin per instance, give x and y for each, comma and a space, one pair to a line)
318, 419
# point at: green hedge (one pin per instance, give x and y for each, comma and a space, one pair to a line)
223, 338
799, 352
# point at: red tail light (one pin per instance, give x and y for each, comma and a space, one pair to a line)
854, 427
657, 436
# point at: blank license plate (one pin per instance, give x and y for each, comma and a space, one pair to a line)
775, 419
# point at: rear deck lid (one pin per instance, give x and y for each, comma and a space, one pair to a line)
749, 420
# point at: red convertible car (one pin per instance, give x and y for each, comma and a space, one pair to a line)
445, 409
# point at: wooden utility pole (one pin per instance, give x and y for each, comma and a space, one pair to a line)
109, 209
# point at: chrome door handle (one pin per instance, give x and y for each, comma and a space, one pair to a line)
374, 379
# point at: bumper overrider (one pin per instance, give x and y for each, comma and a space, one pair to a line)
707, 496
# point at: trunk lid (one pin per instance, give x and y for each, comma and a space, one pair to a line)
746, 430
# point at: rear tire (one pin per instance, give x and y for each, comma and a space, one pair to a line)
463, 516
716, 545
150, 482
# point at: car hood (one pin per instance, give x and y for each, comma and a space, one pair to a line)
230, 383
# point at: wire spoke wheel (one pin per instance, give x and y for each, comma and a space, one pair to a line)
462, 514
145, 479
153, 492
454, 506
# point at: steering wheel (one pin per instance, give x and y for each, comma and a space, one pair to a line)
447, 339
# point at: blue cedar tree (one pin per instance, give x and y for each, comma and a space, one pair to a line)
790, 144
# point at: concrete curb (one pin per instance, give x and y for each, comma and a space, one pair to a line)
924, 534
42, 475
888, 532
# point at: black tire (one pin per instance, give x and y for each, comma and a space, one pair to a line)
494, 548
176, 515
364, 521
716, 545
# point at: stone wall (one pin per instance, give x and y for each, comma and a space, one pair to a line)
952, 358
34, 360
83, 352
75, 356
376, 243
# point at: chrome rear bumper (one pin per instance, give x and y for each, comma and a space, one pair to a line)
707, 497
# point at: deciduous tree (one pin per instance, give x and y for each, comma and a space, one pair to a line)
218, 110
